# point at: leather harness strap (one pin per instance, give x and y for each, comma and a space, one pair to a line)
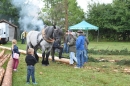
43, 35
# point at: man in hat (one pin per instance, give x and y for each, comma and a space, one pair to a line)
80, 49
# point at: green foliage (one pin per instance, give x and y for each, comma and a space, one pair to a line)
54, 12
8, 11
113, 17
75, 13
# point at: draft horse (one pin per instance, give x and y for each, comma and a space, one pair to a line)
44, 41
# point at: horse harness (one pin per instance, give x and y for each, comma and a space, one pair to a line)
43, 35
38, 42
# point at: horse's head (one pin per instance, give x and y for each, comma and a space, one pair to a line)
58, 32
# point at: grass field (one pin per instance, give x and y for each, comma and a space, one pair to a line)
109, 45
99, 71
92, 45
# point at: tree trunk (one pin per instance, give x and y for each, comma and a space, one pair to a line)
66, 15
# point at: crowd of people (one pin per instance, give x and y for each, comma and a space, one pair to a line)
74, 43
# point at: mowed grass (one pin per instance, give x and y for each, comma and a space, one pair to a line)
109, 45
94, 73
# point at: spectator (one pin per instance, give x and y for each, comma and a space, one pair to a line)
15, 49
57, 45
30, 61
86, 49
72, 48
66, 40
23, 37
79, 49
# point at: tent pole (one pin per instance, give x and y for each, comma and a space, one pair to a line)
98, 35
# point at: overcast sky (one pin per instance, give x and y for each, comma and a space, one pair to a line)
83, 3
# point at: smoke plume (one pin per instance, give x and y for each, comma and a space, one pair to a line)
29, 13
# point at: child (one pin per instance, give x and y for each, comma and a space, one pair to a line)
30, 61
15, 49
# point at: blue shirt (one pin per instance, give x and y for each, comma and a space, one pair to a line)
80, 42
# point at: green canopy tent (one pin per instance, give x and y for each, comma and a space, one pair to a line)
84, 26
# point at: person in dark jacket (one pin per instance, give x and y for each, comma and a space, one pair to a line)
30, 61
66, 40
15, 49
86, 49
57, 45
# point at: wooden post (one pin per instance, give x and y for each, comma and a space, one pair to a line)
2, 71
7, 81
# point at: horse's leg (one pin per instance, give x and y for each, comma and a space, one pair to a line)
36, 56
61, 51
47, 56
43, 57
27, 49
52, 53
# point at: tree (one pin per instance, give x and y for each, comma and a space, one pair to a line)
55, 12
8, 11
111, 17
75, 13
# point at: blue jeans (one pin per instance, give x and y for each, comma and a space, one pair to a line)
85, 56
66, 48
80, 58
72, 58
30, 72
